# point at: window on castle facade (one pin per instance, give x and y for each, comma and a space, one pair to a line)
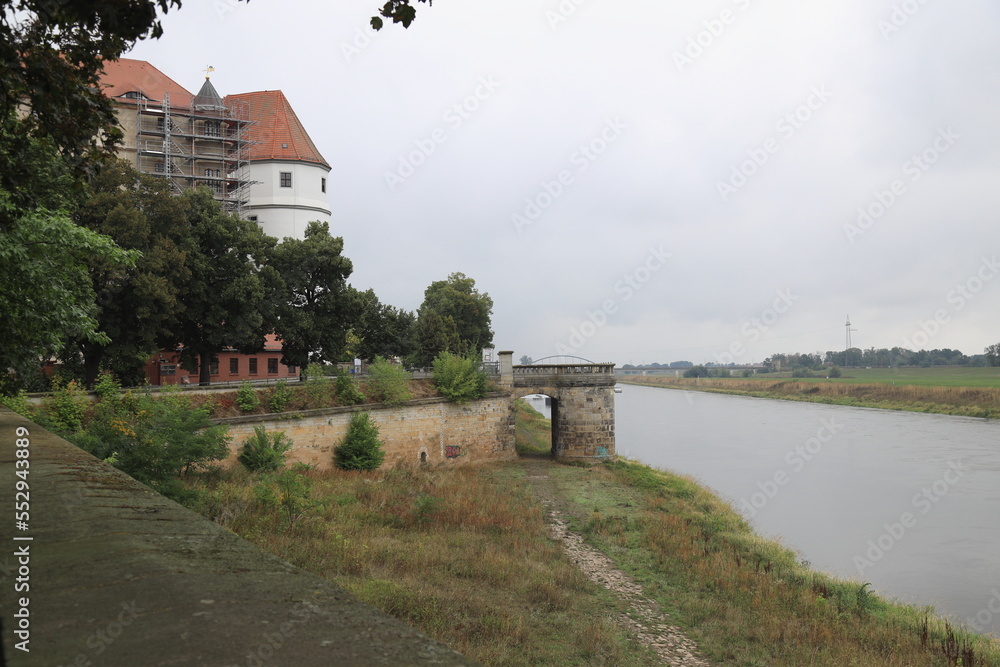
286, 179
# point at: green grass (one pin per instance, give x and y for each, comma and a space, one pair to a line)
745, 600
533, 432
940, 376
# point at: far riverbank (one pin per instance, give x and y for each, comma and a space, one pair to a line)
964, 401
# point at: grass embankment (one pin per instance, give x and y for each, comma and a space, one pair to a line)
464, 555
970, 401
533, 432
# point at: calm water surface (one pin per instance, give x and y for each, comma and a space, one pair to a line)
909, 502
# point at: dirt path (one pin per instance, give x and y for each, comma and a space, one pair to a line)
645, 617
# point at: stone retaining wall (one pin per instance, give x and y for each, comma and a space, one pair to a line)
433, 431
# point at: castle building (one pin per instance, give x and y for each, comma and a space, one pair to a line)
250, 149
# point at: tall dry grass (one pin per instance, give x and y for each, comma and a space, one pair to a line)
461, 554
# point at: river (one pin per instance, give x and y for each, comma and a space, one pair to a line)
909, 502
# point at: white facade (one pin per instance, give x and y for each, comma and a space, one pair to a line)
287, 195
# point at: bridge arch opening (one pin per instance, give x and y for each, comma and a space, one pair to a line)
534, 419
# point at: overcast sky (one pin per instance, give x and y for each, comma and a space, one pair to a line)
649, 181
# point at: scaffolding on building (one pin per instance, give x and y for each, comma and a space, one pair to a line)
200, 144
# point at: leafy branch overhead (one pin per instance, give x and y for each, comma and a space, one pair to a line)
400, 11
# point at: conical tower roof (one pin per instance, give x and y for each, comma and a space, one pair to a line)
277, 133
208, 98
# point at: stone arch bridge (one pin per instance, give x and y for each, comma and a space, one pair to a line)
583, 404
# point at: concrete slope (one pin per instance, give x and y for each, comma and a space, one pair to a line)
115, 574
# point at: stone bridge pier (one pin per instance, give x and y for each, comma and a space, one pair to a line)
583, 404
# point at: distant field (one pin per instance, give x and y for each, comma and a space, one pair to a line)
946, 376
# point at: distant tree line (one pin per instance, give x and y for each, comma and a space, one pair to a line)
872, 357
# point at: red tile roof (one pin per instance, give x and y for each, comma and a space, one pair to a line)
277, 132
126, 75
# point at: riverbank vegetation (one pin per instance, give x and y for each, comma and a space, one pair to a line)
464, 555
970, 401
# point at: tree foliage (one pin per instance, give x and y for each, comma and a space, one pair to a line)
454, 317
399, 11
139, 212
317, 307
383, 330
263, 451
361, 448
389, 382
992, 353
459, 379
228, 299
46, 294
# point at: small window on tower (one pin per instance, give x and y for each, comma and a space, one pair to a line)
322, 184
158, 167
286, 179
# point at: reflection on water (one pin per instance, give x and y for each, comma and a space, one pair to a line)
906, 501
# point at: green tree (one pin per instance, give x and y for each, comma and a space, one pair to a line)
383, 330
229, 298
992, 353
697, 372
46, 295
361, 448
454, 317
139, 212
317, 307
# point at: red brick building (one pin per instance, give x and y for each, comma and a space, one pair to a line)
165, 367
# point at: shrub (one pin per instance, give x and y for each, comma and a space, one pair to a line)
389, 382
153, 440
361, 448
263, 451
802, 373
317, 386
247, 398
696, 372
66, 407
347, 389
288, 491
834, 372
19, 403
107, 386
280, 397
459, 379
